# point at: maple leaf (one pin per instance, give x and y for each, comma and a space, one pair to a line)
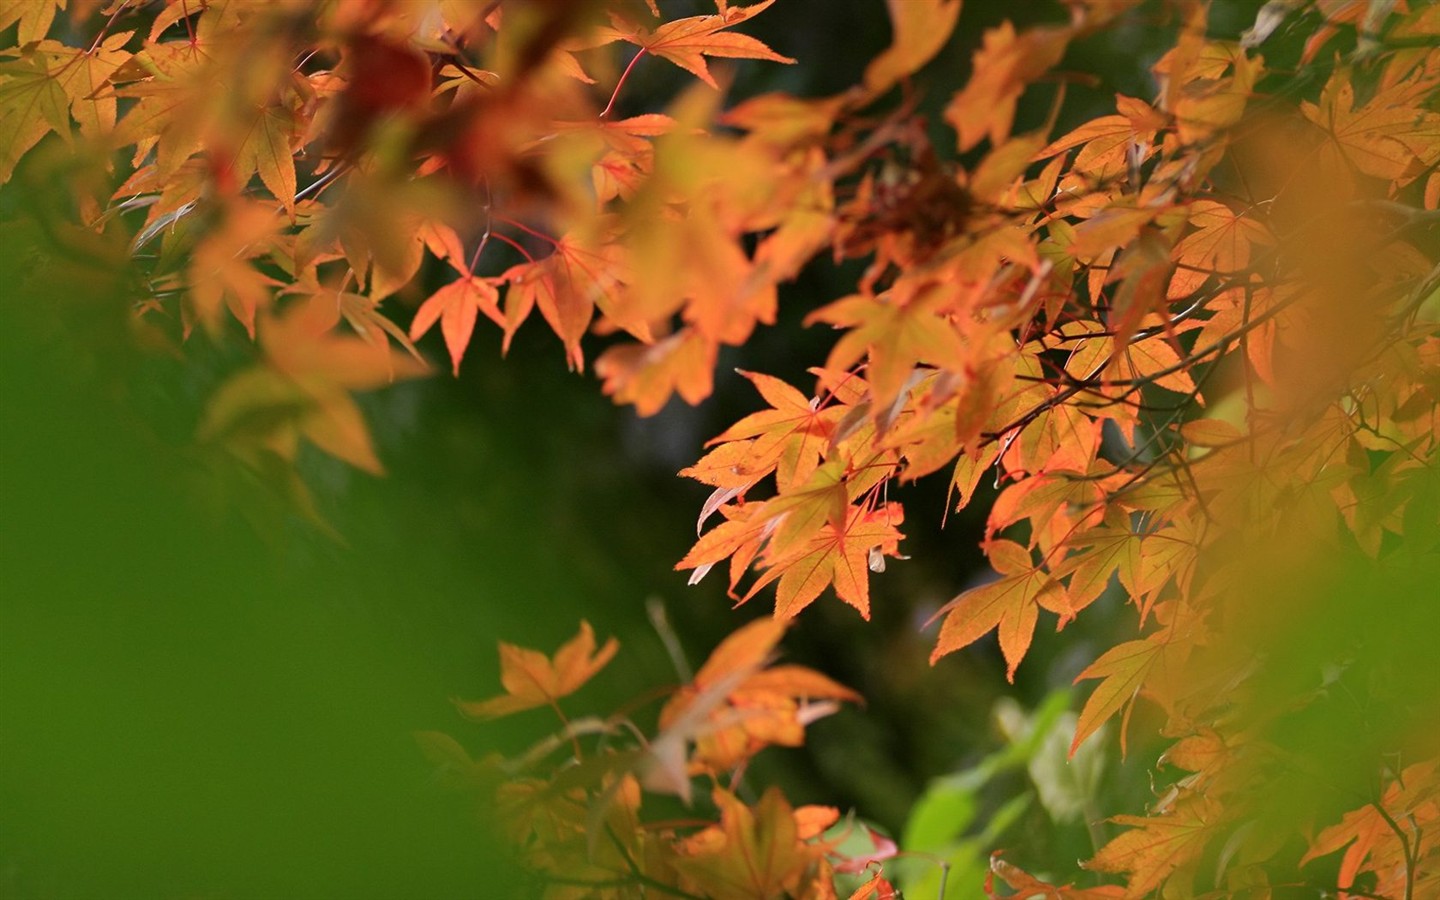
267, 150
1158, 846
33, 104
790, 438
1380, 137
1011, 604
565, 286
754, 852
1220, 245
1106, 143
169, 116
840, 555
1123, 668
877, 888
456, 306
897, 332
800, 513
734, 706
1368, 834
532, 679
1113, 548
84, 76
34, 16
221, 274
361, 313
647, 374
687, 42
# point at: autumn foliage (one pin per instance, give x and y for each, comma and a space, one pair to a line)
1193, 342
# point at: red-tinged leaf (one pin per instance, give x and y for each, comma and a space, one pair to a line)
532, 679
456, 306
1123, 669
687, 42
1011, 605
920, 28
1158, 846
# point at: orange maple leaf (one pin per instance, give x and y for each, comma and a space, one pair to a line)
897, 331
686, 42
647, 374
790, 438
1159, 845
1011, 604
754, 851
532, 679
841, 555
456, 306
